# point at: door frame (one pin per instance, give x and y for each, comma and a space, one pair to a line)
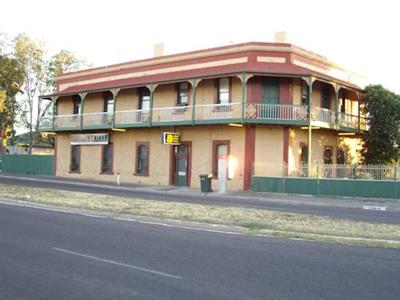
172, 168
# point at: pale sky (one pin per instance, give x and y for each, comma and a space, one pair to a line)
362, 36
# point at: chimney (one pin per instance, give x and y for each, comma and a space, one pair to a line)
158, 49
282, 37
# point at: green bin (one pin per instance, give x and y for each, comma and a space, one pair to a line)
205, 183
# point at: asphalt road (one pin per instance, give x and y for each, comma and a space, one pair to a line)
388, 217
50, 255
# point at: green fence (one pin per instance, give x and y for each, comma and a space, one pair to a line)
328, 187
28, 164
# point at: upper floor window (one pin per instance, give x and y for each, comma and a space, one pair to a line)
144, 99
305, 94
183, 94
223, 96
326, 97
77, 102
271, 90
108, 102
342, 101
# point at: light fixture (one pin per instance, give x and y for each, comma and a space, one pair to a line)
235, 125
118, 129
48, 133
346, 133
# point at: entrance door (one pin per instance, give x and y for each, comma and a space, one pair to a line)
181, 170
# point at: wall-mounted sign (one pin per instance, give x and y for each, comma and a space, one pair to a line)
171, 138
89, 139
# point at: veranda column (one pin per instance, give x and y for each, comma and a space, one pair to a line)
82, 96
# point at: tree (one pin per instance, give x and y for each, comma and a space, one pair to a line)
382, 140
39, 78
11, 79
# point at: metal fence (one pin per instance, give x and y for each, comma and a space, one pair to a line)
329, 171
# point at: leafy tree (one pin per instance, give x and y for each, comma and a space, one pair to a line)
11, 79
39, 73
382, 140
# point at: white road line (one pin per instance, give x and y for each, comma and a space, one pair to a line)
117, 263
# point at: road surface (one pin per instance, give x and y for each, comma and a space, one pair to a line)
51, 255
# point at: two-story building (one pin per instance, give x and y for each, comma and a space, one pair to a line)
263, 103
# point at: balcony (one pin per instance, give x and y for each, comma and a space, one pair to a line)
249, 113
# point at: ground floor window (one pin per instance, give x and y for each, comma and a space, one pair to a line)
75, 165
328, 154
303, 166
107, 159
142, 159
220, 149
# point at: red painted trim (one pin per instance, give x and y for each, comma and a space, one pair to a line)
214, 161
147, 173
286, 148
285, 91
55, 155
249, 155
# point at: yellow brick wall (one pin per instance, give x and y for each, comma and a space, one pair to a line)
65, 106
127, 100
320, 139
93, 103
268, 151
124, 146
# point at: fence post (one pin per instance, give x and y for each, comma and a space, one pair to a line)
395, 181
283, 179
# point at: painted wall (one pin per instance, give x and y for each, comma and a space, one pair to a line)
124, 146
65, 106
320, 139
127, 100
268, 151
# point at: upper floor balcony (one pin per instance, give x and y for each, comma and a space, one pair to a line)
236, 112
235, 99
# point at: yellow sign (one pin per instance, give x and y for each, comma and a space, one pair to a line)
171, 138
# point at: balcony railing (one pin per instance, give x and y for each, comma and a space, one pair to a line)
276, 112
132, 117
203, 114
209, 112
175, 114
95, 120
67, 121
324, 115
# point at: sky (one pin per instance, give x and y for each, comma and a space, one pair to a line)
362, 36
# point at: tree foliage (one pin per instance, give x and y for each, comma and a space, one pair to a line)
40, 73
11, 80
382, 140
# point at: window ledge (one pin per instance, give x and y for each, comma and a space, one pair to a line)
141, 174
107, 173
74, 172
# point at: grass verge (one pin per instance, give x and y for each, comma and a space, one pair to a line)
282, 224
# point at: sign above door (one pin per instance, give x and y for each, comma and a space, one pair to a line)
171, 138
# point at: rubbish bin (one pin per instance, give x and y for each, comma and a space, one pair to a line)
205, 183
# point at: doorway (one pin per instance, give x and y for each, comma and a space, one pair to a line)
181, 164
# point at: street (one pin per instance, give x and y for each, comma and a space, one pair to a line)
51, 255
247, 200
